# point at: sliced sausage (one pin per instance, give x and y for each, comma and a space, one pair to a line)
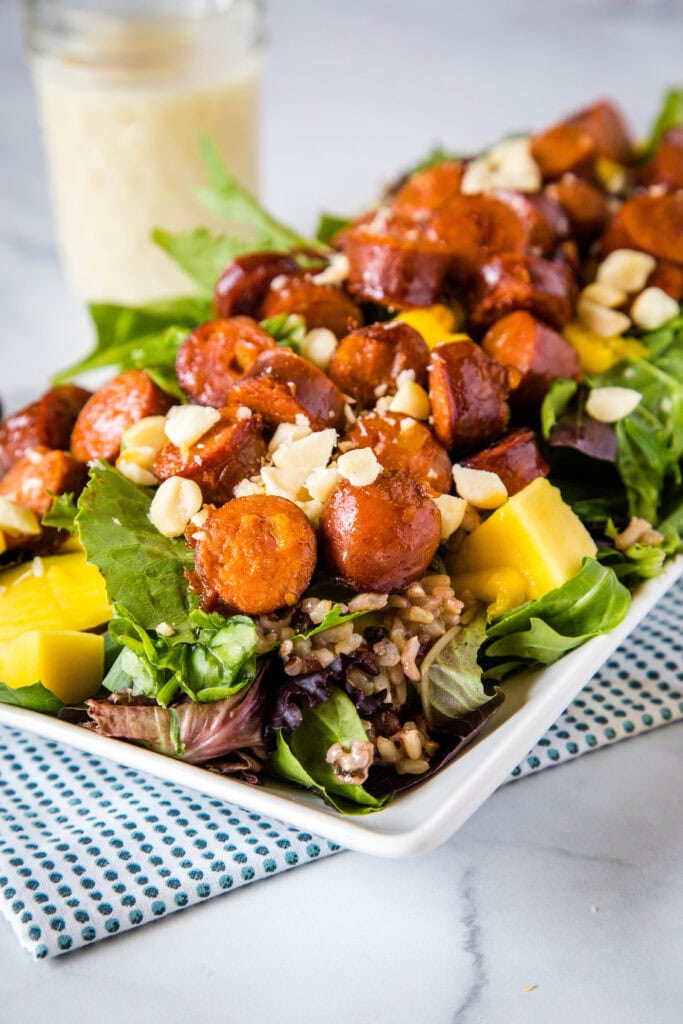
669, 277
254, 555
216, 355
604, 124
585, 206
242, 287
41, 473
665, 166
46, 423
380, 537
506, 283
427, 190
320, 305
372, 358
229, 452
516, 459
562, 149
468, 391
111, 410
536, 353
281, 386
539, 217
473, 228
650, 223
392, 262
400, 442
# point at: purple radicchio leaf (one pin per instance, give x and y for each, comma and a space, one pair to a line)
312, 688
192, 732
384, 779
588, 436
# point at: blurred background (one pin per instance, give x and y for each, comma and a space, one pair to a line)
352, 93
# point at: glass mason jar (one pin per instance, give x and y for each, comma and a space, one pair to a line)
125, 89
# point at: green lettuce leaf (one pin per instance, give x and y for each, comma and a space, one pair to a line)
287, 329
62, 513
451, 685
299, 756
143, 570
200, 254
35, 697
329, 225
670, 116
639, 561
539, 632
556, 403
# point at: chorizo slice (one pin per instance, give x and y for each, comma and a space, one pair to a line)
46, 423
473, 228
468, 391
32, 481
229, 452
650, 223
400, 442
506, 283
604, 124
665, 166
562, 149
254, 554
669, 277
367, 362
426, 190
118, 405
382, 536
242, 287
516, 459
392, 262
586, 207
281, 386
542, 221
216, 355
535, 353
320, 305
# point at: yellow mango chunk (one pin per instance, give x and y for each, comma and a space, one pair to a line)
597, 354
500, 589
55, 592
68, 663
435, 324
536, 533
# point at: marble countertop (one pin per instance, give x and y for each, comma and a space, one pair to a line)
562, 899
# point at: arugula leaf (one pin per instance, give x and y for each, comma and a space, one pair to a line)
202, 255
436, 155
143, 570
451, 684
62, 513
287, 329
300, 755
539, 632
556, 403
329, 225
670, 115
35, 697
225, 196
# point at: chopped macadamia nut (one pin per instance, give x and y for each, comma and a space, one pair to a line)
284, 483
310, 452
246, 487
244, 413
509, 164
653, 308
604, 295
16, 520
359, 466
199, 518
163, 629
174, 504
479, 487
185, 424
412, 400
288, 432
146, 433
134, 465
335, 272
608, 323
626, 269
321, 482
318, 347
452, 511
609, 405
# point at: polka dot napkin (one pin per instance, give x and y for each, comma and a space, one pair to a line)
89, 848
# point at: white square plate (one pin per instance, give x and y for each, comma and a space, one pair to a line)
419, 818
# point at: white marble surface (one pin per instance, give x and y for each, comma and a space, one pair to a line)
569, 881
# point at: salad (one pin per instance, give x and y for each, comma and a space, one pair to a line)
327, 503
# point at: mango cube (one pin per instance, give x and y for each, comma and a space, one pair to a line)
534, 533
436, 324
69, 663
58, 592
597, 354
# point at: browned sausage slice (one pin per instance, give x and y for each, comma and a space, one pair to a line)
229, 452
373, 357
605, 126
537, 354
650, 223
516, 459
506, 283
380, 537
665, 166
585, 205
321, 305
468, 391
216, 355
39, 474
473, 228
254, 554
46, 423
111, 410
427, 190
281, 386
400, 442
561, 149
242, 287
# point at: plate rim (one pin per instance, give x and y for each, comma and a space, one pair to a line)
366, 834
